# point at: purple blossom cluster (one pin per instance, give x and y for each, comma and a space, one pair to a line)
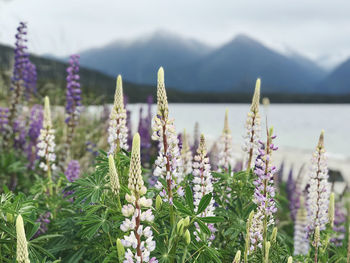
73, 93
264, 192
44, 221
339, 226
73, 171
35, 125
4, 120
31, 80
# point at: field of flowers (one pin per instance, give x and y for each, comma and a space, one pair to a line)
81, 189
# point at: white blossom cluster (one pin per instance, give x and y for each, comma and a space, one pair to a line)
202, 184
252, 129
168, 164
46, 141
301, 242
117, 130
225, 151
319, 190
139, 238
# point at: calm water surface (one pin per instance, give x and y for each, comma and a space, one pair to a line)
297, 125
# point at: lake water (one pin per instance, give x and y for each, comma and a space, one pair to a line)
297, 125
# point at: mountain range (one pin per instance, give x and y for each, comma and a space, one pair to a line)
233, 67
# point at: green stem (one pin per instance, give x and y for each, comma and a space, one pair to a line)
172, 215
50, 178
184, 255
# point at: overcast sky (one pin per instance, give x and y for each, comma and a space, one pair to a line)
319, 29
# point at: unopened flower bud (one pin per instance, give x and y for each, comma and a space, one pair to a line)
317, 236
120, 250
22, 244
159, 202
187, 237
187, 221
267, 251
237, 258
180, 227
274, 235
290, 260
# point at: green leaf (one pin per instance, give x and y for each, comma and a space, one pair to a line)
203, 204
212, 219
180, 207
203, 227
189, 197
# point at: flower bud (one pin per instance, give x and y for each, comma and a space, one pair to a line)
120, 250
22, 244
159, 202
274, 235
180, 227
187, 221
237, 258
317, 236
290, 260
9, 217
187, 237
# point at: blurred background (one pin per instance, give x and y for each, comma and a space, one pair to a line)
212, 51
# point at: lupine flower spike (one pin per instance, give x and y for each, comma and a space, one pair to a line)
73, 101
237, 258
140, 239
202, 184
186, 154
319, 190
301, 242
35, 125
168, 163
20, 74
114, 178
251, 138
46, 144
118, 131
264, 193
225, 147
22, 244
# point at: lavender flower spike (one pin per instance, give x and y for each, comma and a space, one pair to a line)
139, 236
225, 147
251, 138
168, 163
118, 131
20, 74
319, 191
73, 96
301, 242
186, 154
264, 193
35, 125
202, 184
72, 172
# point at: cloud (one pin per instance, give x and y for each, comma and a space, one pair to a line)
315, 28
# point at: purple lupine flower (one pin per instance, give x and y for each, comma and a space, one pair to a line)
44, 221
293, 195
73, 171
196, 135
264, 192
20, 133
339, 225
20, 72
35, 125
31, 80
73, 94
91, 148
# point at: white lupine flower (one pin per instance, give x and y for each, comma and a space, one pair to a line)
319, 190
168, 163
22, 244
225, 150
301, 242
117, 130
46, 141
139, 238
203, 184
252, 126
186, 154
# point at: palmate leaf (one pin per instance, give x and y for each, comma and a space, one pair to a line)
212, 219
181, 208
203, 204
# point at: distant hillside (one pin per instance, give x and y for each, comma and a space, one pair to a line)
192, 66
338, 80
139, 60
97, 87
